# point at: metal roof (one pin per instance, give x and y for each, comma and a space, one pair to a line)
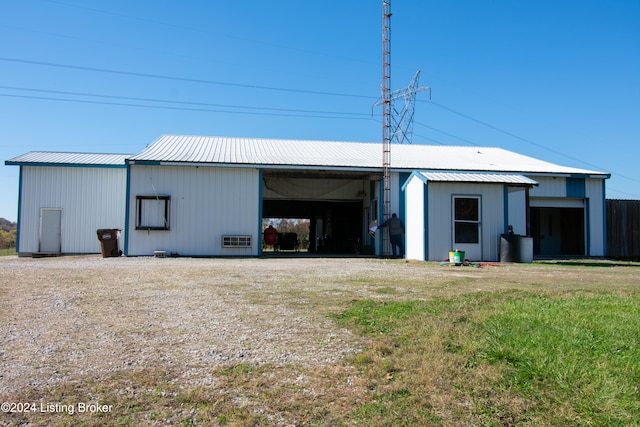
48, 158
284, 153
493, 178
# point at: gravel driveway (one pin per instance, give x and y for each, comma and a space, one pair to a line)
65, 318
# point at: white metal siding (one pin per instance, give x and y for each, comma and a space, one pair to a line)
552, 192
206, 204
441, 217
518, 211
90, 198
549, 187
596, 225
414, 225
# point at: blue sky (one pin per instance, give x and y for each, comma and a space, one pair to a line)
557, 80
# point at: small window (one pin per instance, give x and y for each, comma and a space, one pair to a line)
152, 212
466, 219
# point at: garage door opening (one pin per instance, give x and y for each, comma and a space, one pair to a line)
558, 231
333, 227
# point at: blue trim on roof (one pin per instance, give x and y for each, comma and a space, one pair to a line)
416, 174
66, 165
147, 162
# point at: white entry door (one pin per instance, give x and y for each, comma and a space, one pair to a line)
51, 230
467, 226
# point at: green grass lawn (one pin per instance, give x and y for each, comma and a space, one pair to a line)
506, 358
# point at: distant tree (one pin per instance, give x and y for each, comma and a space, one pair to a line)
7, 239
6, 225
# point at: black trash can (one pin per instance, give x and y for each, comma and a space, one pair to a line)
108, 238
509, 248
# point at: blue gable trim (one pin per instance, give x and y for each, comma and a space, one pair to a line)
412, 175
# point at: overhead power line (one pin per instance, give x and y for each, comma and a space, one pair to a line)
183, 79
165, 107
281, 112
205, 104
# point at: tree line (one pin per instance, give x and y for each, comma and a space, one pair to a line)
7, 234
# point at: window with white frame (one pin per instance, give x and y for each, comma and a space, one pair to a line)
152, 212
466, 219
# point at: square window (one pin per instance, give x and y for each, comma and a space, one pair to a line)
467, 232
152, 212
466, 209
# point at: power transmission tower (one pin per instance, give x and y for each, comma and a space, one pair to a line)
397, 125
402, 119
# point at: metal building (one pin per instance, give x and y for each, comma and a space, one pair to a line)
207, 196
63, 198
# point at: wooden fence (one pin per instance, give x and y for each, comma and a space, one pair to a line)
623, 228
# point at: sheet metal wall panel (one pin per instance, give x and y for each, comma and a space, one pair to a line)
206, 203
549, 187
553, 193
90, 198
517, 211
414, 224
596, 217
441, 217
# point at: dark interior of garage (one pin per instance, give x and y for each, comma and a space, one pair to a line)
558, 231
335, 227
